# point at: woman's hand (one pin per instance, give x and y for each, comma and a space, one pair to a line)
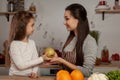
33, 75
56, 59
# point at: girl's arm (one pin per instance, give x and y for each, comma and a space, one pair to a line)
35, 56
21, 64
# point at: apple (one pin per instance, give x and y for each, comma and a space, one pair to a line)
50, 52
115, 57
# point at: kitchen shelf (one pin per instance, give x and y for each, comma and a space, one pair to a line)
106, 11
12, 13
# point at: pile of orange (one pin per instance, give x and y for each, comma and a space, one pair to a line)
65, 75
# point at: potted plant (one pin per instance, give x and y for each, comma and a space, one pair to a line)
95, 34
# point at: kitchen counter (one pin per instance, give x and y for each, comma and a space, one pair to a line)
27, 78
51, 70
106, 67
112, 64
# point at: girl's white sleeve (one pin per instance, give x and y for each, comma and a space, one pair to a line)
35, 56
16, 56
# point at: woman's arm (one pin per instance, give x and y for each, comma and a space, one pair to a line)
90, 50
70, 65
63, 61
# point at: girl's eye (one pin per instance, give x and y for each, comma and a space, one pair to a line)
32, 24
66, 18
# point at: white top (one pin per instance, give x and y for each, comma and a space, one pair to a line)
24, 58
89, 50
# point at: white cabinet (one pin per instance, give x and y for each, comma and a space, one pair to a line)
4, 71
50, 70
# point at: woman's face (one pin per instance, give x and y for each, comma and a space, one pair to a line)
30, 27
70, 22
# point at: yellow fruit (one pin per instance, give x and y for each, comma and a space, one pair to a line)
50, 52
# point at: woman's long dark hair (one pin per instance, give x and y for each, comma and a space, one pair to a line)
79, 13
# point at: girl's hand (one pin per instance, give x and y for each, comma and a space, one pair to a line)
33, 75
45, 57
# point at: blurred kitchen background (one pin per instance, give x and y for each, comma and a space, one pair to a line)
51, 32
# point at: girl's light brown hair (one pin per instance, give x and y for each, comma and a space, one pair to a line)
18, 28
18, 25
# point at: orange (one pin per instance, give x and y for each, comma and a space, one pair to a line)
77, 75
63, 75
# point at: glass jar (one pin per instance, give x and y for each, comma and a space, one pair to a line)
10, 6
32, 7
105, 54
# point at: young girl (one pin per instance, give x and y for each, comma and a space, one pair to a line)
80, 49
23, 54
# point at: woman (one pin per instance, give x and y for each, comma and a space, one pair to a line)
79, 50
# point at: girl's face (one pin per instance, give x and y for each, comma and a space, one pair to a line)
30, 27
70, 22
